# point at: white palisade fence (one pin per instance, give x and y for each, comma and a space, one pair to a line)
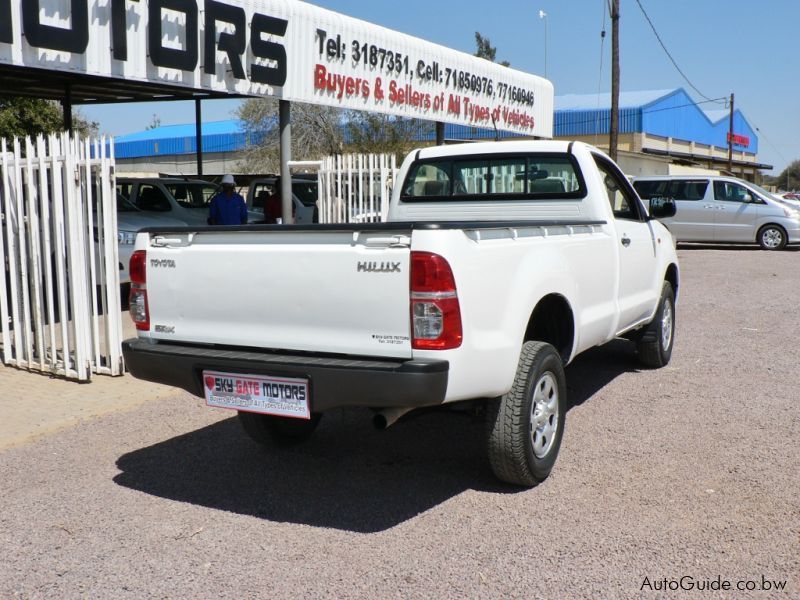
59, 283
356, 188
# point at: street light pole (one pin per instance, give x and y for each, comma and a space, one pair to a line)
543, 15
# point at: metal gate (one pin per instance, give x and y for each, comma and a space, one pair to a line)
59, 284
356, 188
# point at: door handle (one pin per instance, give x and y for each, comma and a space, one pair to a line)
709, 206
626, 241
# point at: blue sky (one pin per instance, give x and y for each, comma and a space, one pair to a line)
723, 46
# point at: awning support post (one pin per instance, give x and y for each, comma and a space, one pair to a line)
285, 126
439, 133
66, 105
198, 135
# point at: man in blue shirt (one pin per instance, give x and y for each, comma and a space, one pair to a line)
227, 207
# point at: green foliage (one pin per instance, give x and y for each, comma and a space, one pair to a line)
379, 133
155, 123
20, 117
788, 179
484, 49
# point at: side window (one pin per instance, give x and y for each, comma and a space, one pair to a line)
152, 198
623, 203
649, 189
731, 192
688, 189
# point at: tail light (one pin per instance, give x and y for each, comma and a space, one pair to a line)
138, 298
435, 312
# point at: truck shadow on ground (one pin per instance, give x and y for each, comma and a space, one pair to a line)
348, 476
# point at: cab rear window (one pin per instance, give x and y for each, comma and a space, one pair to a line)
494, 177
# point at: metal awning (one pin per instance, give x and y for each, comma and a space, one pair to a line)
79, 88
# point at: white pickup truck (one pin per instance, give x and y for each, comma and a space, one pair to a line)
499, 263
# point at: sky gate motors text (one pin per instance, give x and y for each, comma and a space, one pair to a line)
75, 38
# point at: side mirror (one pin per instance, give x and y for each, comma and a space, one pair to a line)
662, 208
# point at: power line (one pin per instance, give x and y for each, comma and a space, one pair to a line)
663, 46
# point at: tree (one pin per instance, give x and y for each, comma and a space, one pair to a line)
316, 132
484, 49
21, 116
788, 179
379, 133
155, 123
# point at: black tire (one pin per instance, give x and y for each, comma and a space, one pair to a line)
517, 454
655, 344
772, 237
269, 430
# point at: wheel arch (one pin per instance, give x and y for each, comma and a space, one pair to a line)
552, 320
673, 276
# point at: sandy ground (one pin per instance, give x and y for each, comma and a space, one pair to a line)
689, 471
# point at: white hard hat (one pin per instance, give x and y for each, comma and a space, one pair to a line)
228, 180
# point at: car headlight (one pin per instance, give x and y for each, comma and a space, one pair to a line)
126, 238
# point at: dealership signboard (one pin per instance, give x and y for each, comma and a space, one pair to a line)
282, 48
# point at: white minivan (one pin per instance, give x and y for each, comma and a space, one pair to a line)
712, 208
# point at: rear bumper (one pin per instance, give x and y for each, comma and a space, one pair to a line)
333, 381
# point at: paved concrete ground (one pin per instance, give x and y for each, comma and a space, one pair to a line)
32, 404
688, 471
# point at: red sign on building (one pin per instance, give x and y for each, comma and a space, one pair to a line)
739, 140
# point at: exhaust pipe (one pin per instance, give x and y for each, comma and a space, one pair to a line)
386, 417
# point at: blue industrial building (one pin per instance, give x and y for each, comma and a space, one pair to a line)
660, 132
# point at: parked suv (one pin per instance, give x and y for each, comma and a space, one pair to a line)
130, 220
186, 200
713, 208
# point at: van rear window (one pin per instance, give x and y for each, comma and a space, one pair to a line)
677, 189
495, 177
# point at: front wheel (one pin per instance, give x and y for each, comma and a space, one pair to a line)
269, 430
655, 344
772, 237
525, 426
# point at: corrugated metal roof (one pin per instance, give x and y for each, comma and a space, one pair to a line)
666, 113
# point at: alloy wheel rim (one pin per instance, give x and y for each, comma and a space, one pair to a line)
772, 238
544, 415
666, 325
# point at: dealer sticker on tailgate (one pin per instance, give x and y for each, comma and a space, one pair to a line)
281, 396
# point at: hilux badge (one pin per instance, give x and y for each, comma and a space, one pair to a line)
378, 267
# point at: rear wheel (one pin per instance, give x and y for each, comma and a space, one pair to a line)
269, 430
655, 344
772, 237
525, 426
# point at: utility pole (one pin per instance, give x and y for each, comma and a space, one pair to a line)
730, 139
613, 133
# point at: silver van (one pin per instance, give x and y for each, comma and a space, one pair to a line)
712, 208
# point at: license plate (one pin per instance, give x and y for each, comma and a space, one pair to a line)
280, 396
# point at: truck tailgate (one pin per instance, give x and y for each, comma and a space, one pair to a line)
344, 292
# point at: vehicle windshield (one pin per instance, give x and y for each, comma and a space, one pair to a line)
124, 205
763, 192
306, 192
192, 195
